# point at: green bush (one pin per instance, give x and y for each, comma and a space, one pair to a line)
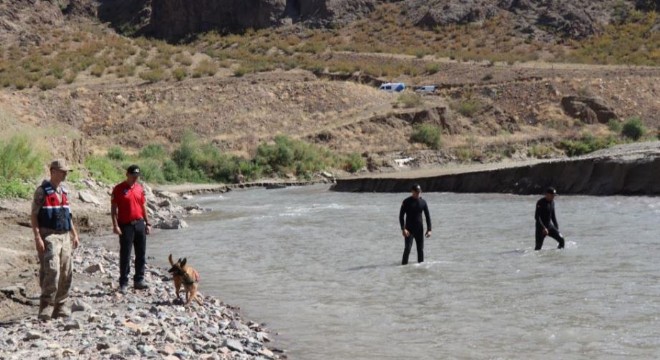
614, 125
153, 151
153, 76
116, 153
152, 172
432, 68
47, 83
427, 134
180, 73
19, 160
633, 129
354, 162
586, 145
205, 67
15, 188
470, 107
288, 155
104, 169
540, 151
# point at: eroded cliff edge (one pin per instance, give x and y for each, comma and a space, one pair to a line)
624, 170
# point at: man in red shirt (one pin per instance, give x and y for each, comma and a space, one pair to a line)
130, 221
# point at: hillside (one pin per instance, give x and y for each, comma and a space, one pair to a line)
506, 72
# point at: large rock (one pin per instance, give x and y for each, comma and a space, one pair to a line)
86, 197
173, 19
177, 18
588, 109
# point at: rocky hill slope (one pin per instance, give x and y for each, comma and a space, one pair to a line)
572, 19
174, 19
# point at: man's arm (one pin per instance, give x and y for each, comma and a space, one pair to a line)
537, 215
145, 215
402, 213
554, 218
428, 217
115, 224
37, 203
74, 232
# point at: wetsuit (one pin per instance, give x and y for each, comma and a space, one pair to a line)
546, 219
411, 210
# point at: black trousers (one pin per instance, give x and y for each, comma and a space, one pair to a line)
132, 236
552, 232
418, 236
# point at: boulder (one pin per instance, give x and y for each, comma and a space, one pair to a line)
86, 197
589, 110
234, 345
168, 195
173, 224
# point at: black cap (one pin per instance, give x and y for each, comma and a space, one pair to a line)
416, 187
133, 170
551, 190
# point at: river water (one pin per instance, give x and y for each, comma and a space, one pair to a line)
322, 269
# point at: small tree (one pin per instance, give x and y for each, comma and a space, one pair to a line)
633, 129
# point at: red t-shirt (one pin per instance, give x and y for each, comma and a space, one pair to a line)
129, 201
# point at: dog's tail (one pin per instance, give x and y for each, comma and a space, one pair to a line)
170, 259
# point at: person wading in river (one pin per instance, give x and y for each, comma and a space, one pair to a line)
546, 221
412, 226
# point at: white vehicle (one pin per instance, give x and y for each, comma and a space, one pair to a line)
426, 89
393, 87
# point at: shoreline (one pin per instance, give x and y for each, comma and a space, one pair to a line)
144, 323
632, 169
102, 310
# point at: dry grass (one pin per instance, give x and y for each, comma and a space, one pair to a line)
90, 50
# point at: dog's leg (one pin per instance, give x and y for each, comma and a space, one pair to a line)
177, 287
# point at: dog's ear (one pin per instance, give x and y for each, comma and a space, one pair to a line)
170, 259
183, 263
179, 261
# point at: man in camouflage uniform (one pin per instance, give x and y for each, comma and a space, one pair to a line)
55, 236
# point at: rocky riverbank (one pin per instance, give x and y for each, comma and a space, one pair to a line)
141, 324
632, 169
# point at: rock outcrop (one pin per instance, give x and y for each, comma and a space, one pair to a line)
626, 170
590, 110
178, 18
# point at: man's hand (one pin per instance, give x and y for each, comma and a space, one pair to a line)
147, 229
39, 243
428, 233
406, 233
76, 241
116, 229
545, 231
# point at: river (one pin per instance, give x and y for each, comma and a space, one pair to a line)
322, 269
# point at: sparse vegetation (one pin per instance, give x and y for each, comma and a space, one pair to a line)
541, 151
587, 144
409, 100
47, 83
469, 107
205, 68
427, 134
153, 76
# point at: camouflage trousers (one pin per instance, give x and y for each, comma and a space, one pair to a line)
56, 271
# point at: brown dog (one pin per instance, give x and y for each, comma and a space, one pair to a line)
186, 276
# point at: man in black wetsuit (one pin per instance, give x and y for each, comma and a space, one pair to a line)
546, 221
413, 226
